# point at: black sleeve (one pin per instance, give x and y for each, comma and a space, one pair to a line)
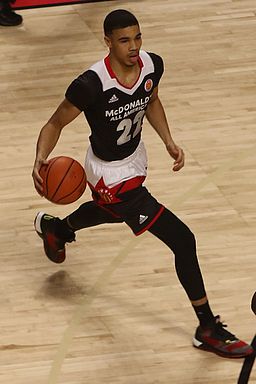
82, 92
158, 65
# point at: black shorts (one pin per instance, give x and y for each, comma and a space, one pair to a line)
138, 209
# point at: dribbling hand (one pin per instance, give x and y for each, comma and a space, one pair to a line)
38, 181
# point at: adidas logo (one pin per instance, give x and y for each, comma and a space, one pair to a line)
142, 219
113, 99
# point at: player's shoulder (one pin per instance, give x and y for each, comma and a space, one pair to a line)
152, 57
98, 68
88, 78
103, 71
84, 89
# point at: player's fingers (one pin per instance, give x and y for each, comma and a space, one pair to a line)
180, 161
38, 188
38, 181
177, 167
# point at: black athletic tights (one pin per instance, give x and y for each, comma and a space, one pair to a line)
169, 229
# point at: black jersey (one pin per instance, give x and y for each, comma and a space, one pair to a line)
115, 112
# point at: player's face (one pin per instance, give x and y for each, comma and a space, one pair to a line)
124, 45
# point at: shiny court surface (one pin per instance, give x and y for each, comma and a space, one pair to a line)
115, 312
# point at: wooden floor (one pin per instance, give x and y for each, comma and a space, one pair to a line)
115, 312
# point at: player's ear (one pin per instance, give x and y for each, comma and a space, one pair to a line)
107, 41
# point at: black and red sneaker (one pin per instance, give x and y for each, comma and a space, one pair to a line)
215, 338
8, 18
54, 246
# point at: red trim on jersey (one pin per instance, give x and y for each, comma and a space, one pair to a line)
108, 66
110, 195
113, 75
152, 221
131, 184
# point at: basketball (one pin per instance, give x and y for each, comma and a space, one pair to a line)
64, 180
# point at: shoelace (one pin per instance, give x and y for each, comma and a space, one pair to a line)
219, 328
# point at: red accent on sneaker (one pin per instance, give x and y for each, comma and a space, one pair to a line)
216, 339
53, 251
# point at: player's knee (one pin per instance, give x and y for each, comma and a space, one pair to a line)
191, 238
186, 238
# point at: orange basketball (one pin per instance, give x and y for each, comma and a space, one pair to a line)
64, 180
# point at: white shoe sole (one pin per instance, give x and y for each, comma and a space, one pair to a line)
197, 343
37, 222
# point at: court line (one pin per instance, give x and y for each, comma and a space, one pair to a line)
84, 305
111, 268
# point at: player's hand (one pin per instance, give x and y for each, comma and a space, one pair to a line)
38, 181
177, 154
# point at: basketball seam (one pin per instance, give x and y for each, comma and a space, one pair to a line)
52, 161
63, 178
64, 197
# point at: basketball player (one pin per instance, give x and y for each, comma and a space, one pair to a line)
115, 94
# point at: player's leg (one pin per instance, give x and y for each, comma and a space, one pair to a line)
90, 214
178, 237
145, 213
7, 15
56, 232
109, 181
253, 303
248, 363
211, 333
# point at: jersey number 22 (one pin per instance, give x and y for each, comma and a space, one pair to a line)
126, 126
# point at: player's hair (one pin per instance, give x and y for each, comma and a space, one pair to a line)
120, 18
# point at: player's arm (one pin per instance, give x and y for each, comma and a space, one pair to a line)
157, 118
49, 135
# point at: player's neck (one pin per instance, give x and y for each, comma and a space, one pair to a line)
126, 75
